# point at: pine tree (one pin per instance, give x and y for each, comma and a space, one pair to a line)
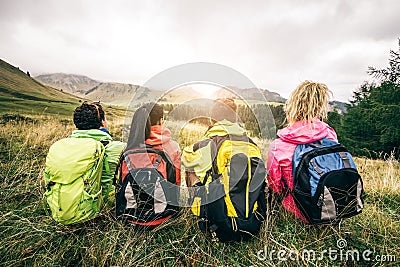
371, 125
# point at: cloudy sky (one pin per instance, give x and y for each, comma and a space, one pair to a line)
276, 44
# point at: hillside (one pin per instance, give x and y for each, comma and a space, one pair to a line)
256, 94
20, 93
121, 94
70, 83
338, 106
180, 95
111, 93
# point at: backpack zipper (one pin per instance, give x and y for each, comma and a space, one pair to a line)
59, 199
247, 186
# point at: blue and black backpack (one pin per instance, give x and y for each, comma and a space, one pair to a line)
327, 185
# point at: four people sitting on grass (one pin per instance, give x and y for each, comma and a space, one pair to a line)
224, 170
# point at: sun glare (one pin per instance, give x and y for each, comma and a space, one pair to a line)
206, 90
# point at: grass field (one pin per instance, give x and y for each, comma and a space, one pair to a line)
29, 237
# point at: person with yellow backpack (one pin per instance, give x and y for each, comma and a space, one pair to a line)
226, 176
80, 169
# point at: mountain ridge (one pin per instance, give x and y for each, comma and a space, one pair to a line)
72, 83
85, 86
125, 94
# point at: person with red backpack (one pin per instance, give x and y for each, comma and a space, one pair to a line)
315, 175
147, 193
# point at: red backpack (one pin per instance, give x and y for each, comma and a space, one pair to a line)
147, 192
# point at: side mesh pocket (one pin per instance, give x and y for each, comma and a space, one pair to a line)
89, 206
216, 210
328, 206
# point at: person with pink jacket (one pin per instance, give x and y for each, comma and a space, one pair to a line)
305, 108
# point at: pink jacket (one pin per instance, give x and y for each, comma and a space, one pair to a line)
281, 151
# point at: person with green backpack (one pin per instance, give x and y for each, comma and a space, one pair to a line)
80, 169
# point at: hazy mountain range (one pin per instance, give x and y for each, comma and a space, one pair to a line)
123, 94
18, 90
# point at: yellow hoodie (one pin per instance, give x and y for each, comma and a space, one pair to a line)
197, 157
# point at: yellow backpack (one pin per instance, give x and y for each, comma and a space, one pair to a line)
231, 205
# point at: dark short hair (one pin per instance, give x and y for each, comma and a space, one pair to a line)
89, 116
156, 113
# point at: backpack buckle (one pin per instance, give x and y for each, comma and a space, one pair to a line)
49, 184
212, 229
214, 237
320, 201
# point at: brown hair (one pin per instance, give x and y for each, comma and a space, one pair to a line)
224, 108
308, 101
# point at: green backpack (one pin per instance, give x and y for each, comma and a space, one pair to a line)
73, 179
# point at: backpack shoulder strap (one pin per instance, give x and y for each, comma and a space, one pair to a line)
243, 138
216, 145
118, 169
345, 158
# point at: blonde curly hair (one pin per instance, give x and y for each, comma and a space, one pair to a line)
307, 102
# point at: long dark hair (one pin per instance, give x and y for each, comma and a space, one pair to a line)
144, 117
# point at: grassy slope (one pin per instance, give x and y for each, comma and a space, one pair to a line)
28, 236
19, 93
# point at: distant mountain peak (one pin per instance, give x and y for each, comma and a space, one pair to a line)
71, 83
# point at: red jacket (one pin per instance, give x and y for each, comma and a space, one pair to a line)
160, 138
281, 151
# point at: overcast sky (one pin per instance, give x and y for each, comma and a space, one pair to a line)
277, 44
